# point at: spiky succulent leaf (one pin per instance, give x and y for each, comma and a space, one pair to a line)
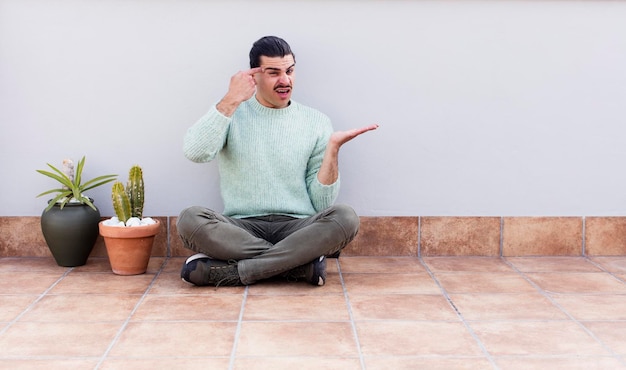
88, 202
60, 177
59, 190
72, 189
100, 180
65, 196
78, 173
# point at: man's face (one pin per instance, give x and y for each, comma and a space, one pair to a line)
275, 83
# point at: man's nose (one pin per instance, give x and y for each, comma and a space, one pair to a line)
284, 78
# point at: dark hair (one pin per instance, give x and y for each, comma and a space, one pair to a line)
269, 46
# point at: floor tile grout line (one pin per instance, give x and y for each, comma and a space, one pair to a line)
419, 237
445, 294
168, 239
233, 352
584, 236
355, 333
501, 246
544, 293
130, 315
37, 300
613, 274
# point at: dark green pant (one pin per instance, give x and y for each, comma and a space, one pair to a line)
267, 246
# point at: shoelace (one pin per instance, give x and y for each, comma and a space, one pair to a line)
229, 272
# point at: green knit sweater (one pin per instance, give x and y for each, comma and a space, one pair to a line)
268, 158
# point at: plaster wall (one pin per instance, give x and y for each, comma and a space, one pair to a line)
486, 108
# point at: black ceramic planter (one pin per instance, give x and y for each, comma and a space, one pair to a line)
70, 233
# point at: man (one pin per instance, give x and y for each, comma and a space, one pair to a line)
278, 163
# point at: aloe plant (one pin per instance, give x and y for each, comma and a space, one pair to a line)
128, 201
72, 187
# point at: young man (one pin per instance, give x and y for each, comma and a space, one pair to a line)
279, 179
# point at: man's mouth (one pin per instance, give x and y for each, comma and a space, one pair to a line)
283, 90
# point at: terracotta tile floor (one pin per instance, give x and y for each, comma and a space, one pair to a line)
374, 313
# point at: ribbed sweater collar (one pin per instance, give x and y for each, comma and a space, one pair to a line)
271, 111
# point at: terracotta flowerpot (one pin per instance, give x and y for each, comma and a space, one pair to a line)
129, 248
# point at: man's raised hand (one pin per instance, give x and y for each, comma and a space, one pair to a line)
338, 138
242, 87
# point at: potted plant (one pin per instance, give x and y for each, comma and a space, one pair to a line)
70, 221
128, 237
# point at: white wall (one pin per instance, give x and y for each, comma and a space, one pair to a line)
486, 107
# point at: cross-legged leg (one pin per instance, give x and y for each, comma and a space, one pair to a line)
263, 247
304, 241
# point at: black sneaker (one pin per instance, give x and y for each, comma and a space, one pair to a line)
201, 270
315, 272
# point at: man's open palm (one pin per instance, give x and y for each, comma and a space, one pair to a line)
339, 138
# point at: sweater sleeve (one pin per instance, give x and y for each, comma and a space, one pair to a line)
322, 196
206, 137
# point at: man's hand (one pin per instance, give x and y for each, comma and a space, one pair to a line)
242, 87
329, 171
338, 138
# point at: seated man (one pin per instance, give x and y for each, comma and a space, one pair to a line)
278, 165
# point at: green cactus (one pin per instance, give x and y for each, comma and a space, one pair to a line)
135, 191
128, 202
121, 202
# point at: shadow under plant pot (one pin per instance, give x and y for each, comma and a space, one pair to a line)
129, 248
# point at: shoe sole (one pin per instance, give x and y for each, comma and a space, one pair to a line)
321, 281
195, 257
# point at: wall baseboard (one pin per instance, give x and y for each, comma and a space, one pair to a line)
418, 236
